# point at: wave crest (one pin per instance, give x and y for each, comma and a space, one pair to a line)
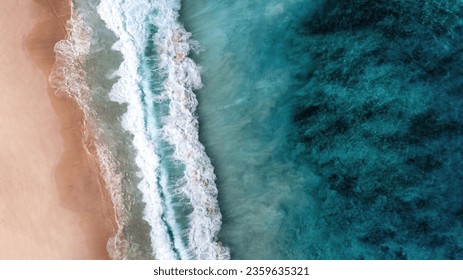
131, 22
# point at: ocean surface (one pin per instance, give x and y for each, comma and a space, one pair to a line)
274, 129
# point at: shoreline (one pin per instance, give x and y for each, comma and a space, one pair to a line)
55, 204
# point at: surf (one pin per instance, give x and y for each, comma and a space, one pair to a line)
179, 76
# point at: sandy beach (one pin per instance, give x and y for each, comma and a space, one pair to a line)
52, 202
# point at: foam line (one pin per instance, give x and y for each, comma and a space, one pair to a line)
125, 19
130, 22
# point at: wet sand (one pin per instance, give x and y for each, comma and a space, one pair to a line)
53, 204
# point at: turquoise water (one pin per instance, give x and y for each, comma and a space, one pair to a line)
295, 129
246, 124
334, 126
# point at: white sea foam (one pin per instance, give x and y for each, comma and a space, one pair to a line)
69, 79
129, 21
126, 20
180, 129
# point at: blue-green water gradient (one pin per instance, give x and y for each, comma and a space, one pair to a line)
335, 127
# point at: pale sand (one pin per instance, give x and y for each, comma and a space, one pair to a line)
52, 205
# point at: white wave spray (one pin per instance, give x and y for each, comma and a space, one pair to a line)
130, 22
180, 129
123, 18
